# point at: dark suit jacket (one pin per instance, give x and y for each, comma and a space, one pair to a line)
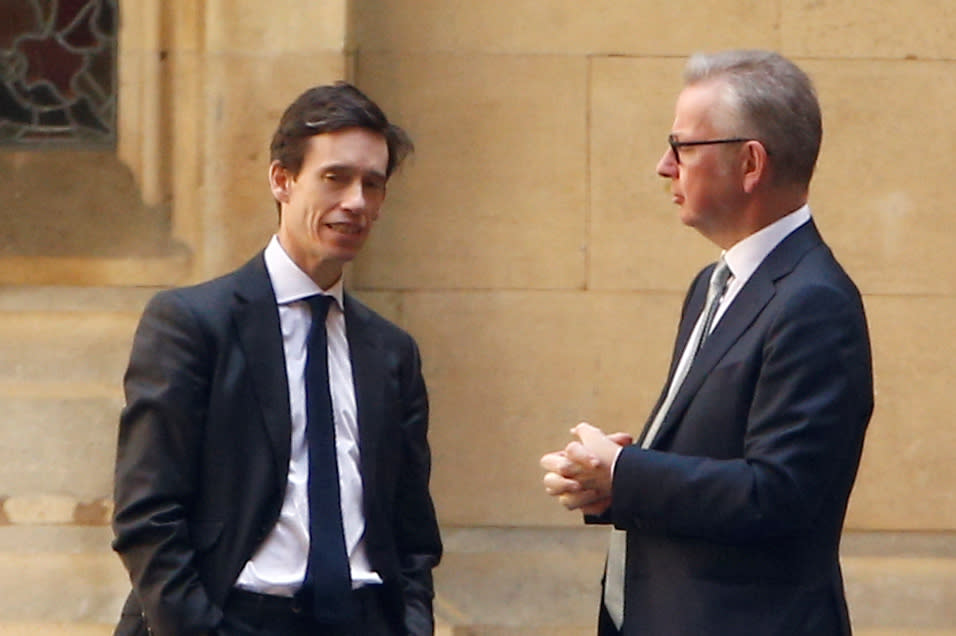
734, 514
204, 443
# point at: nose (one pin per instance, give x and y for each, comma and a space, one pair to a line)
667, 166
354, 199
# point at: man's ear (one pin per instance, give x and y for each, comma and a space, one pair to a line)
755, 166
279, 182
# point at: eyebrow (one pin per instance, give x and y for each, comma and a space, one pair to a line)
349, 167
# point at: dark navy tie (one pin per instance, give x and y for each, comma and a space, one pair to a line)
328, 582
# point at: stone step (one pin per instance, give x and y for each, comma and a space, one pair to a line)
58, 579
63, 574
63, 351
70, 337
564, 630
511, 582
78, 434
441, 629
96, 629
54, 629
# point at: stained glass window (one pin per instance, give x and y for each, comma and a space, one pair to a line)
58, 73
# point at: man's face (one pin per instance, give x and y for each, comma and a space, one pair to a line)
328, 209
705, 184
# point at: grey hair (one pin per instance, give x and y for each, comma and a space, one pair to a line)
767, 97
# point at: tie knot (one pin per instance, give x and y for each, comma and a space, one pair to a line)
320, 306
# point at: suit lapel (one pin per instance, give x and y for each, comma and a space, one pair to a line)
746, 307
256, 319
368, 373
693, 305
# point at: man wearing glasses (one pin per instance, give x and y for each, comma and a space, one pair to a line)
728, 510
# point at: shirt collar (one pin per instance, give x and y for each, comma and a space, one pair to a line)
290, 283
747, 255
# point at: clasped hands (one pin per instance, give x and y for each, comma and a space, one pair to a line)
580, 475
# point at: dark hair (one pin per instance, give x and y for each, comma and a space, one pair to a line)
769, 98
330, 108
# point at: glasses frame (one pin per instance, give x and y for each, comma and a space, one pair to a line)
676, 144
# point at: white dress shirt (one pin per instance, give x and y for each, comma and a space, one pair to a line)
278, 567
746, 255
743, 259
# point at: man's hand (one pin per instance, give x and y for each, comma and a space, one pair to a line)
580, 475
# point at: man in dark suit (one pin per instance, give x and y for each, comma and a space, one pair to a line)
732, 502
272, 470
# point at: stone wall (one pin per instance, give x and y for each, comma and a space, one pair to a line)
528, 245
535, 253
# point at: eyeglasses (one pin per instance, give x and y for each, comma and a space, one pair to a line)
676, 145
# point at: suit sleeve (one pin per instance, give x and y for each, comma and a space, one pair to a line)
160, 432
801, 430
417, 533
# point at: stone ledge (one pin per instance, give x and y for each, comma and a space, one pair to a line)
514, 581
55, 629
60, 298
566, 630
82, 587
493, 582
441, 629
103, 629
45, 270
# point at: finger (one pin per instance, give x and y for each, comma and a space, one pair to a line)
577, 453
622, 439
575, 500
555, 484
562, 464
553, 461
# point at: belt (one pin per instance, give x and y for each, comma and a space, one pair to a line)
270, 604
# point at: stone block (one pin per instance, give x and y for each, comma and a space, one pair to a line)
189, 19
911, 441
288, 26
24, 298
61, 446
923, 29
245, 97
637, 240
58, 587
901, 593
495, 195
170, 269
542, 581
54, 629
187, 125
389, 304
563, 26
881, 197
510, 372
59, 577
526, 581
63, 347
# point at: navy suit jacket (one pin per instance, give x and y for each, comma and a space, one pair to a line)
734, 514
204, 443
